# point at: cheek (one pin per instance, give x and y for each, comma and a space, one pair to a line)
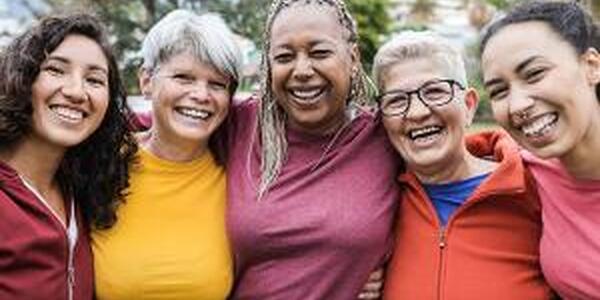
393, 128
500, 112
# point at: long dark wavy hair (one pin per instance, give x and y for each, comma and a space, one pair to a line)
94, 172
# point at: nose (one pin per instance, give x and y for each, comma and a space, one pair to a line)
199, 91
416, 108
73, 88
520, 102
303, 68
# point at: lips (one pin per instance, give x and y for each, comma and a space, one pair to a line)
539, 125
306, 95
194, 113
424, 132
67, 113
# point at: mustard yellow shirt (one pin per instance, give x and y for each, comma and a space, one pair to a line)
169, 241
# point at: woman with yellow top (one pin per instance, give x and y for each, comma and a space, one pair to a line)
169, 240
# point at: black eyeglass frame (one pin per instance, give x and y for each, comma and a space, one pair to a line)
451, 82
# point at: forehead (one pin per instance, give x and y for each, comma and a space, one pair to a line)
187, 62
307, 21
517, 42
81, 49
412, 72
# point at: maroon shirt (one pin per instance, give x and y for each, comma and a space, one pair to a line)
325, 224
34, 248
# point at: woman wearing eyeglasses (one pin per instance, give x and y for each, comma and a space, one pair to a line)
469, 222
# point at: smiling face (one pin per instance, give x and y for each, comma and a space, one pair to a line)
70, 94
311, 64
542, 93
428, 138
190, 99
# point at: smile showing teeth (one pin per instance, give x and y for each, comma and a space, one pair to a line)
540, 125
193, 113
306, 94
67, 113
424, 132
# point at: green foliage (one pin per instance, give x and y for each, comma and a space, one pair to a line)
130, 20
374, 24
502, 4
245, 17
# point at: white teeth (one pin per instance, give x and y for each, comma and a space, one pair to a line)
539, 125
306, 94
193, 113
67, 113
423, 132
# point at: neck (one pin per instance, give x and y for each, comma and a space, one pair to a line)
37, 162
330, 128
582, 162
177, 150
463, 165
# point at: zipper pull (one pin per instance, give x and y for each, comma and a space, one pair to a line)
442, 239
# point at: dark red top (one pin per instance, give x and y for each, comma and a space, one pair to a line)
34, 250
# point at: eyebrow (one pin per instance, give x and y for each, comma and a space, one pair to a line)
525, 63
311, 44
93, 67
520, 67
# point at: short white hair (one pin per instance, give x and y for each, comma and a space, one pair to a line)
206, 37
419, 44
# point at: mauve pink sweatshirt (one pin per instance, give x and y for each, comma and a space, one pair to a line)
324, 225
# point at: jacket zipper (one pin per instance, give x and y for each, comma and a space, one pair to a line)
442, 245
70, 232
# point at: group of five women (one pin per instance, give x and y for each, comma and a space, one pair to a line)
302, 191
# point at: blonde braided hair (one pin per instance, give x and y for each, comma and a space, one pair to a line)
272, 118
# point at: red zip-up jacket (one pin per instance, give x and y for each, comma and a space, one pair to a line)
489, 247
34, 252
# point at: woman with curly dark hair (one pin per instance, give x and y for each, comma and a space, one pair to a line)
65, 148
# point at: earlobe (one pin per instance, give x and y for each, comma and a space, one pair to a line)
591, 59
471, 103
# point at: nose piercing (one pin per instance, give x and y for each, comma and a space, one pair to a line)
523, 114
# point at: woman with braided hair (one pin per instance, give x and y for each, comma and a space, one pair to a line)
310, 173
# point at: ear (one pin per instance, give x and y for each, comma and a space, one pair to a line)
145, 82
471, 103
591, 59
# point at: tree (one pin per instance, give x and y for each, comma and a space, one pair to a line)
129, 21
374, 24
245, 17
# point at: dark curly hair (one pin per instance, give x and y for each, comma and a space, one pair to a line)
94, 172
568, 19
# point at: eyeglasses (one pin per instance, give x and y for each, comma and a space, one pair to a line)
432, 93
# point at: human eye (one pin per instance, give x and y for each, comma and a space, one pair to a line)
394, 100
534, 75
53, 69
320, 53
283, 57
97, 80
436, 91
497, 92
183, 78
217, 85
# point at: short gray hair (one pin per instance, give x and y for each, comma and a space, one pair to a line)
206, 37
419, 44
